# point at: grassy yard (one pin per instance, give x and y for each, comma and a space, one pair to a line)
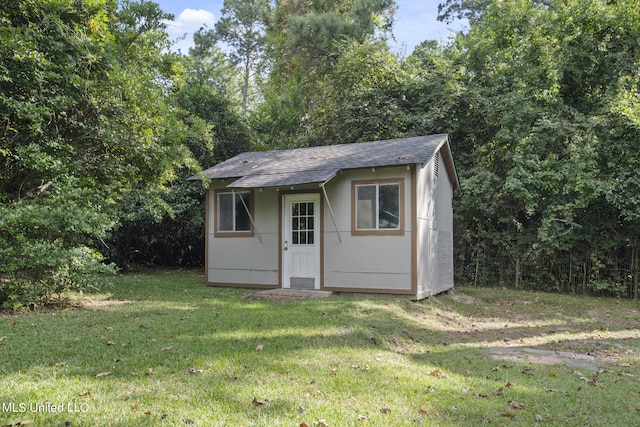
162, 349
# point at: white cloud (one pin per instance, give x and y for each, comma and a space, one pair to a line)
186, 24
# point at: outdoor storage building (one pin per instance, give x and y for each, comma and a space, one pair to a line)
364, 217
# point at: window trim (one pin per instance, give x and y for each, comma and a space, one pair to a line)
376, 231
219, 233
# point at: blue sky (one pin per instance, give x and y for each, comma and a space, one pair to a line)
415, 21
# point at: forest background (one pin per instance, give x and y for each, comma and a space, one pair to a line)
101, 123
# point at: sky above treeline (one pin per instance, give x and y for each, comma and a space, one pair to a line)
415, 21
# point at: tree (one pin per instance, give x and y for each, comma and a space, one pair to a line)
84, 123
305, 45
242, 27
547, 114
165, 227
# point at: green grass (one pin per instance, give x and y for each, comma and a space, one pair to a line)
350, 360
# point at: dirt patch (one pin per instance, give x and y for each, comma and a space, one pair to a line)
460, 298
287, 295
544, 357
100, 304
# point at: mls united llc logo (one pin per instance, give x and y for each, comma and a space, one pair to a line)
44, 407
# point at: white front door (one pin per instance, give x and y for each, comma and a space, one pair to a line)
301, 241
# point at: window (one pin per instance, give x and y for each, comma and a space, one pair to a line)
232, 218
377, 207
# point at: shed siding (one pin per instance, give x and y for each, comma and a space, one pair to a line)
244, 260
435, 229
365, 262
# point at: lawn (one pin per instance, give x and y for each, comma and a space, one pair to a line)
161, 349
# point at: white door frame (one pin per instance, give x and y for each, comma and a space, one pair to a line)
301, 261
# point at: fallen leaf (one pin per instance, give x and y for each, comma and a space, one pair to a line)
436, 374
150, 371
516, 405
59, 364
259, 347
109, 328
507, 415
430, 389
256, 402
167, 348
103, 374
304, 425
362, 418
195, 371
321, 422
163, 416
187, 421
385, 410
85, 394
422, 411
127, 344
20, 423
334, 372
552, 375
3, 338
508, 384
110, 343
300, 410
539, 418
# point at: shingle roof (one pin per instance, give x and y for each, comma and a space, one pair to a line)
319, 164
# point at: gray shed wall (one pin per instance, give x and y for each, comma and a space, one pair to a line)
366, 262
435, 229
244, 260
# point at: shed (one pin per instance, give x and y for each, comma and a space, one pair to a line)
372, 217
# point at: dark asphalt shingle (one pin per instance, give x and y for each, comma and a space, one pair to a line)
319, 164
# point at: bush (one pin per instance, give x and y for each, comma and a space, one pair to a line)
43, 250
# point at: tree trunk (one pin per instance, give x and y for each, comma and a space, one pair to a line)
634, 271
245, 86
475, 277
